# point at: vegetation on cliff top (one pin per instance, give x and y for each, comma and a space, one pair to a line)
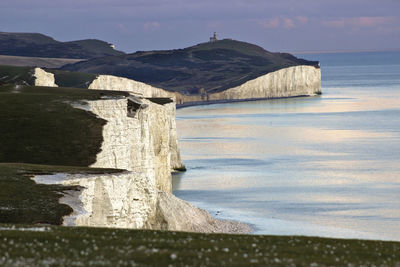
39, 125
67, 246
39, 45
72, 79
210, 66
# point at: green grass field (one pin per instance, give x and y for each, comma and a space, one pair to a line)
66, 246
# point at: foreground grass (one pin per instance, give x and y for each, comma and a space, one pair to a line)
28, 245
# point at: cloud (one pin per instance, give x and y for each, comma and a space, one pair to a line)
270, 23
359, 22
288, 23
151, 26
283, 22
301, 19
122, 28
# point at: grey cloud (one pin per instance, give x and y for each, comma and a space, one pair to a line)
160, 24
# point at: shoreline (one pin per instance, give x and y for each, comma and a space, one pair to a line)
226, 101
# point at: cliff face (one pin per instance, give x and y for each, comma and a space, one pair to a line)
139, 138
124, 200
131, 200
159, 120
288, 82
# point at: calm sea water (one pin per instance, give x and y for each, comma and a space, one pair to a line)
319, 166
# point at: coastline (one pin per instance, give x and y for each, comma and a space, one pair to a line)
226, 101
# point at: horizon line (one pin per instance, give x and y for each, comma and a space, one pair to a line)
343, 51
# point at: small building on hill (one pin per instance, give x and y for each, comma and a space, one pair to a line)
214, 38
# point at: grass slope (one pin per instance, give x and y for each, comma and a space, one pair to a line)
38, 125
67, 246
42, 62
213, 66
39, 45
16, 75
72, 79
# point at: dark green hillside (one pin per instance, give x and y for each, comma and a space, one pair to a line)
16, 75
39, 45
72, 79
213, 66
38, 125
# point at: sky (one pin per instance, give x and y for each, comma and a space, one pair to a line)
276, 25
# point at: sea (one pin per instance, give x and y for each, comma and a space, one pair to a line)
325, 165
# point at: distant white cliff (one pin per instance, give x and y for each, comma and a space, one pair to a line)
288, 82
114, 83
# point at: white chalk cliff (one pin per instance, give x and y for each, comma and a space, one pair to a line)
139, 136
114, 83
288, 82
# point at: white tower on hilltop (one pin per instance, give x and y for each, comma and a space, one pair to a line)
214, 38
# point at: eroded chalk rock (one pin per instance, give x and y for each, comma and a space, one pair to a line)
119, 200
43, 78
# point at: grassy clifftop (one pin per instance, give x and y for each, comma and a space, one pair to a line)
39, 45
213, 66
38, 125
